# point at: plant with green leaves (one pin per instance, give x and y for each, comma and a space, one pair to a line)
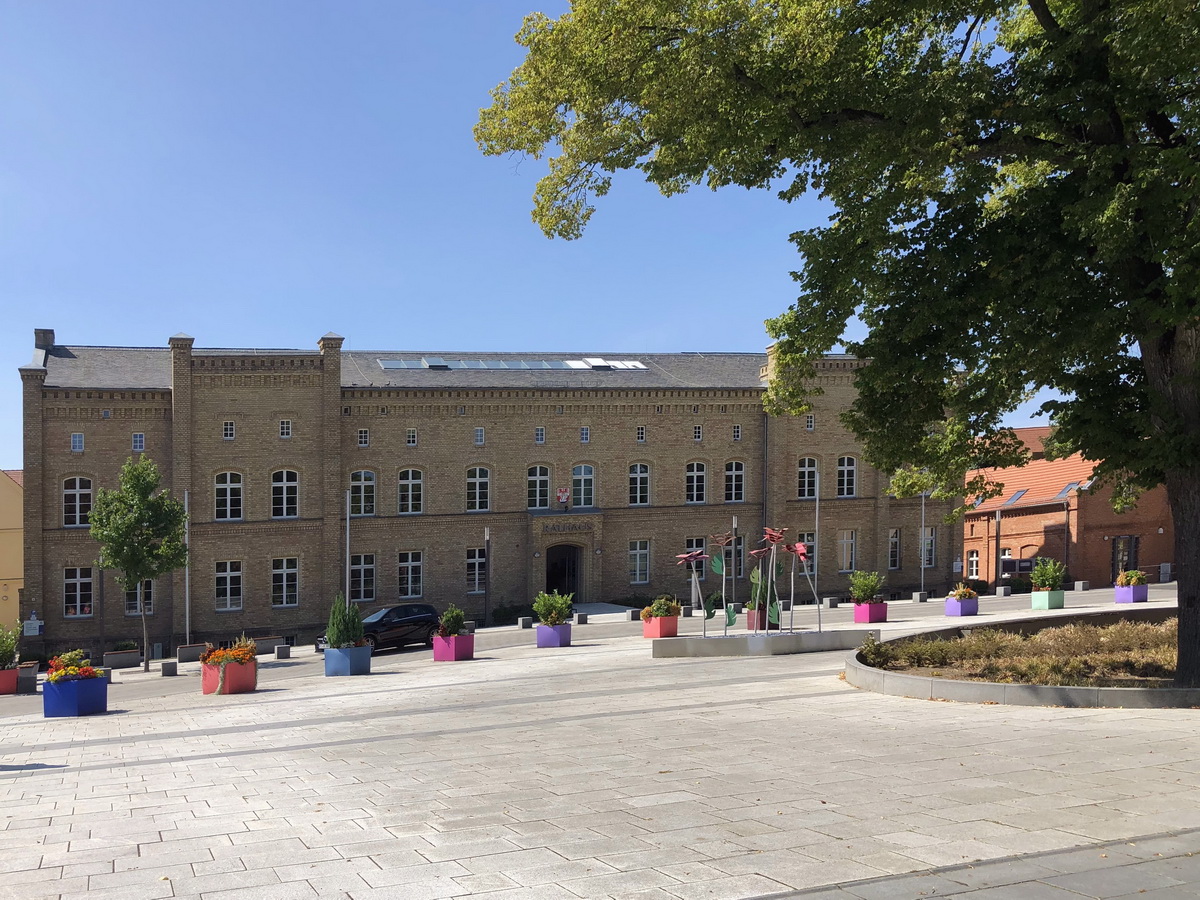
1131, 578
864, 586
1015, 207
1047, 574
552, 608
9, 640
141, 532
452, 622
345, 627
663, 606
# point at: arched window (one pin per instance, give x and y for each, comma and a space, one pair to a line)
583, 486
639, 485
478, 479
806, 479
362, 493
229, 496
412, 498
77, 502
735, 482
285, 493
539, 488
847, 483
694, 483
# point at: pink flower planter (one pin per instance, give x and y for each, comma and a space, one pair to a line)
756, 620
455, 648
8, 681
240, 678
660, 627
866, 613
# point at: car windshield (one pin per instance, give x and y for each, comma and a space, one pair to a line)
377, 615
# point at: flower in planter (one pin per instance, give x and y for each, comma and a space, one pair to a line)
71, 666
452, 622
243, 652
962, 592
663, 606
1131, 578
864, 586
1047, 574
553, 608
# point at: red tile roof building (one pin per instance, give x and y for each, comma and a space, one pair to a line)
1042, 513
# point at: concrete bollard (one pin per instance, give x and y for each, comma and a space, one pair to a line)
920, 596
525, 622
283, 651
831, 602
737, 609
170, 667
468, 627
1004, 591
1082, 586
581, 618
686, 612
635, 615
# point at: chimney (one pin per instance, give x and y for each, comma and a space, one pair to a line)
43, 338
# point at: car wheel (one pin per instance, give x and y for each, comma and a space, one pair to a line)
429, 637
370, 638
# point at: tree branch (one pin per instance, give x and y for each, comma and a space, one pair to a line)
1045, 18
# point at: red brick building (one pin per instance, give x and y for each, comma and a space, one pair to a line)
1045, 510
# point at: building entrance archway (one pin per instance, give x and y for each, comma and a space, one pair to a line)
562, 569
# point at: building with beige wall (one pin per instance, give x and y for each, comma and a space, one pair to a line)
12, 571
583, 473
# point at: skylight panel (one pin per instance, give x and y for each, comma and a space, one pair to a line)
1015, 497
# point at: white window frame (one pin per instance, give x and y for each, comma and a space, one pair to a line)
77, 442
583, 485
285, 582
585, 434
476, 570
409, 572
847, 549
929, 547
228, 430
362, 577
973, 564
735, 481
480, 435
737, 432
539, 434
227, 585
694, 483
362, 493
78, 592
537, 484
285, 428
809, 540
697, 432
410, 437
479, 485
639, 484
410, 492
364, 437
640, 434
639, 562
138, 442
807, 478
77, 501
227, 487
131, 599
847, 476
810, 422
895, 549
285, 494
697, 543
727, 552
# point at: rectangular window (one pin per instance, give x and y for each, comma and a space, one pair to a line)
539, 434
893, 548
285, 581
476, 570
478, 437
810, 422
410, 573
585, 434
737, 432
973, 564
362, 576
639, 562
697, 432
228, 431
285, 493
139, 442
131, 599
641, 434
77, 443
229, 585
410, 437
735, 482
809, 540
285, 428
364, 437
847, 539
77, 592
929, 547
696, 543
740, 557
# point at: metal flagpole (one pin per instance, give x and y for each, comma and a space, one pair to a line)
816, 554
347, 549
187, 573
922, 541
792, 601
732, 578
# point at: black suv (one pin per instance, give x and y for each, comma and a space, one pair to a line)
395, 626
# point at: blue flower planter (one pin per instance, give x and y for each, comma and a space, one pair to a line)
348, 661
554, 635
85, 697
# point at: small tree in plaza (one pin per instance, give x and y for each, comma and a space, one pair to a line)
141, 533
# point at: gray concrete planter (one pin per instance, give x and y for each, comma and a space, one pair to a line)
762, 644
122, 659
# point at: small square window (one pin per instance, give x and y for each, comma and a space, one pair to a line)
228, 431
539, 434
737, 432
106, 413
697, 432
77, 443
139, 442
285, 428
641, 434
364, 437
478, 437
810, 422
410, 438
585, 434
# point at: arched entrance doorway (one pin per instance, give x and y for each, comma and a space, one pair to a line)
562, 569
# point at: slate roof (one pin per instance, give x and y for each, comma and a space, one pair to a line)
149, 368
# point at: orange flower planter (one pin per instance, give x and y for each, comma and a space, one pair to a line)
660, 627
240, 678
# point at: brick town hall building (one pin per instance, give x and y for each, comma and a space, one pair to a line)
585, 473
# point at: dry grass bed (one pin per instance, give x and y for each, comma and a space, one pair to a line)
1127, 654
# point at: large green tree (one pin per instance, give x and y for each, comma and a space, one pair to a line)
141, 533
1015, 184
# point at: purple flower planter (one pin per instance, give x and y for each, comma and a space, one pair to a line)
1134, 593
554, 635
968, 607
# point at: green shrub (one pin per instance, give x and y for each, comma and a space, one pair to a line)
1047, 574
635, 601
875, 653
9, 638
345, 624
553, 608
663, 606
125, 645
452, 622
505, 614
864, 586
1131, 577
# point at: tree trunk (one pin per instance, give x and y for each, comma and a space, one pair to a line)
1183, 490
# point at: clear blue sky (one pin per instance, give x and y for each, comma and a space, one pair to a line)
256, 173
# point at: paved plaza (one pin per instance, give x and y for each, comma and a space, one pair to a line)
595, 771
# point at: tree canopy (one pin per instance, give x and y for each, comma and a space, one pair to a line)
141, 533
1015, 184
